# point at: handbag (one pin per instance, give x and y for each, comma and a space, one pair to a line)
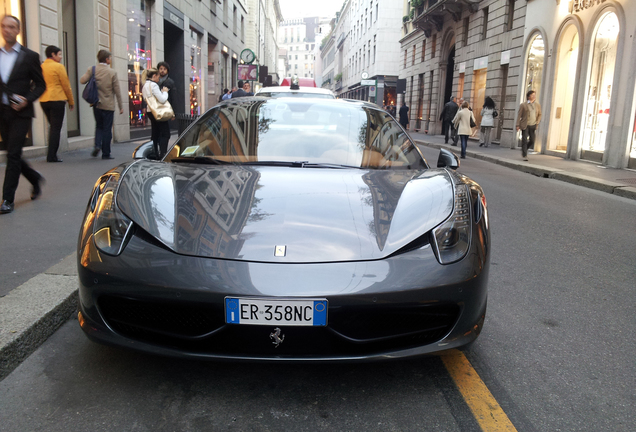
161, 111
472, 122
90, 94
495, 114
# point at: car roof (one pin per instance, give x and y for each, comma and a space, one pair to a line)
283, 89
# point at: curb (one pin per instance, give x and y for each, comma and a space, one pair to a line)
589, 182
34, 311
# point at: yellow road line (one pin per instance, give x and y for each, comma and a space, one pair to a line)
487, 412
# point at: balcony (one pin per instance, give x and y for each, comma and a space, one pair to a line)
430, 14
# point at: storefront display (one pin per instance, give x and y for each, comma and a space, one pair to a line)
599, 89
139, 58
534, 66
195, 73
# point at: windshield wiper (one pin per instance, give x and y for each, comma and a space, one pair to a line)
298, 164
206, 160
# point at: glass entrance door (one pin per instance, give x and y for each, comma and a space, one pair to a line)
565, 82
599, 92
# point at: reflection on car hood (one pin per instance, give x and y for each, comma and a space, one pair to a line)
317, 214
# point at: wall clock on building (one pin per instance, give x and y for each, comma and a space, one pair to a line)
248, 56
365, 75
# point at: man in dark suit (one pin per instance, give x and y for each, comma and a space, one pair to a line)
447, 116
165, 81
404, 115
22, 83
240, 92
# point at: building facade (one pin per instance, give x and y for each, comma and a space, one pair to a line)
468, 49
262, 35
297, 37
366, 40
581, 63
201, 41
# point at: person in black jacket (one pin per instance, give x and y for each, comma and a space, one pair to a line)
447, 116
166, 81
240, 92
404, 115
22, 84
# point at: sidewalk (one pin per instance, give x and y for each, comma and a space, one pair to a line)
621, 182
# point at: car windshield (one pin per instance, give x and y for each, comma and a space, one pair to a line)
295, 94
302, 132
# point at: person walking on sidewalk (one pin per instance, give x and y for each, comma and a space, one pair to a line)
53, 101
447, 116
487, 121
462, 124
404, 116
104, 110
160, 134
22, 83
528, 121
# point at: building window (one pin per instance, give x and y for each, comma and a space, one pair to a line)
225, 12
242, 28
433, 46
466, 29
405, 54
213, 7
485, 24
511, 14
423, 49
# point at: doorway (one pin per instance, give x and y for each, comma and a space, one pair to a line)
173, 42
69, 50
565, 83
450, 69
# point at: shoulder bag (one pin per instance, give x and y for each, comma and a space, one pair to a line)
161, 111
90, 94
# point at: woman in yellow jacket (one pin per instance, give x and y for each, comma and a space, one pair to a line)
53, 101
462, 124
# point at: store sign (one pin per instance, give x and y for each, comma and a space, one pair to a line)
505, 57
367, 82
174, 18
480, 63
581, 5
462, 67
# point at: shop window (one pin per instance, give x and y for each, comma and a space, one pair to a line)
599, 88
139, 59
534, 66
195, 73
479, 93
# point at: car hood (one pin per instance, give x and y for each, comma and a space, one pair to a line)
308, 214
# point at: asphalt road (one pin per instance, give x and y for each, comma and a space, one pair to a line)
557, 350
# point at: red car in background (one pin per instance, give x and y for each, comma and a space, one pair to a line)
302, 82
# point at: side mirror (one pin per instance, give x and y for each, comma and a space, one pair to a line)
144, 151
447, 159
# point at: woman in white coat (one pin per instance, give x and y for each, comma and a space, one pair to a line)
462, 124
487, 121
160, 134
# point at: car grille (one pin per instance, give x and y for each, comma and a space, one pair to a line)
351, 331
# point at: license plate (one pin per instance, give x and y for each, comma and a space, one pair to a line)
255, 311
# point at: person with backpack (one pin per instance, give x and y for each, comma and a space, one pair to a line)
107, 85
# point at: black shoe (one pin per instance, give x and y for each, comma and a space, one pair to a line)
95, 152
107, 157
55, 160
454, 145
481, 144
37, 188
6, 207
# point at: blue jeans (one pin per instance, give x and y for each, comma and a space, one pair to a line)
464, 139
103, 130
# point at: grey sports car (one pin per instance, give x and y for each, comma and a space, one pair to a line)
286, 229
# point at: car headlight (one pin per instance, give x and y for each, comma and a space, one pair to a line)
452, 238
111, 227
